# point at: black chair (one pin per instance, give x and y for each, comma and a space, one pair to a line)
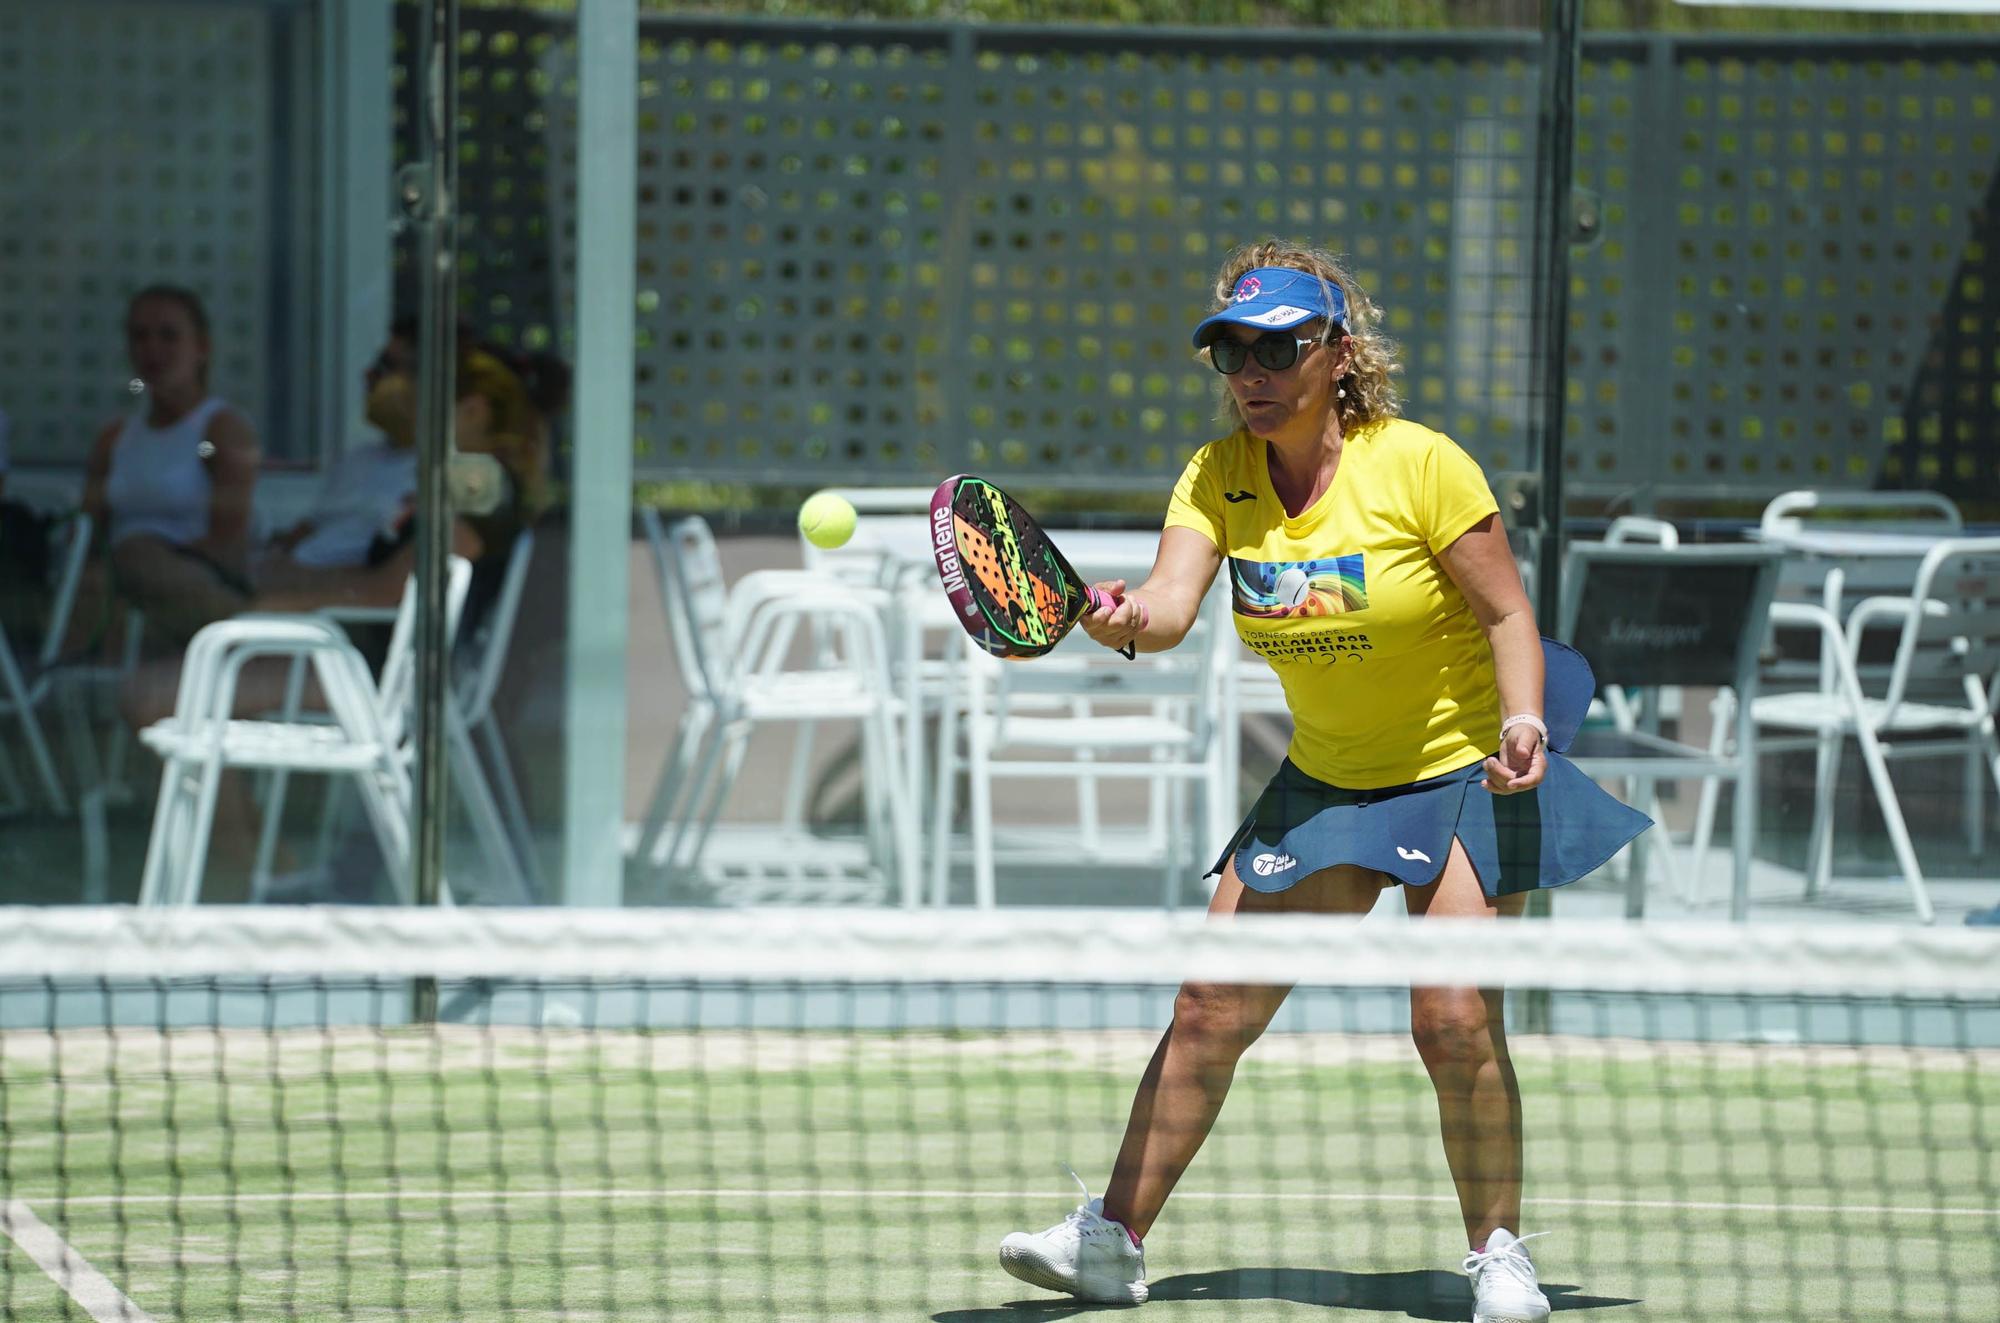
1647, 616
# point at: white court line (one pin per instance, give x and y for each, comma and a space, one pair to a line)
1183, 1196
71, 1271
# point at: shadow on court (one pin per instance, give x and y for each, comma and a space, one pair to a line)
1425, 1294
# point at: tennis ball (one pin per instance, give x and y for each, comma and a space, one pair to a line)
1292, 586
826, 520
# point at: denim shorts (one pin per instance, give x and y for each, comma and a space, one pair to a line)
1563, 829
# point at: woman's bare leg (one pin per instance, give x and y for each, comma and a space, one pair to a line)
87, 635
1189, 1075
178, 592
1461, 1035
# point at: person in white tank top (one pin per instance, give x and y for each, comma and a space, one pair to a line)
171, 485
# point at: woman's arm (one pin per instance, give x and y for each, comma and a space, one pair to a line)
380, 584
1158, 613
232, 470
1482, 565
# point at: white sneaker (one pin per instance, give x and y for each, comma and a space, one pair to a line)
1504, 1289
1085, 1255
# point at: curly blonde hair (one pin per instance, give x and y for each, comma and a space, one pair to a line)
1372, 365
518, 435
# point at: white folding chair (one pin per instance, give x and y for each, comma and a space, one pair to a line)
1087, 715
919, 610
474, 693
1900, 511
1947, 637
365, 734
1849, 546
735, 650
500, 831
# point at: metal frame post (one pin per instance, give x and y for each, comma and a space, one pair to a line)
600, 528
429, 192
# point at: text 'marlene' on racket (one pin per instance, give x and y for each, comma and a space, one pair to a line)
1009, 586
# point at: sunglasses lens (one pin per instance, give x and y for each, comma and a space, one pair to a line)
1227, 356
1276, 352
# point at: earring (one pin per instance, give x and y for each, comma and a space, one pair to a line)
1341, 393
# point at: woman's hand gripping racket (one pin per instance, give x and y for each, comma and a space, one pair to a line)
1009, 586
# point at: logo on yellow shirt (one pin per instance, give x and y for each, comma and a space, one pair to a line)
1293, 589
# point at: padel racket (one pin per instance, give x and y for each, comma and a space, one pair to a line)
1009, 586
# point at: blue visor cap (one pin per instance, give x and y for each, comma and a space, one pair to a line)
1276, 298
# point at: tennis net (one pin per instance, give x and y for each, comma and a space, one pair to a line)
782, 1115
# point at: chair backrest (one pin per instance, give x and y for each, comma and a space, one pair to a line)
1955, 632
693, 596
395, 689
1839, 582
1627, 530
495, 635
68, 555
1907, 511
1654, 615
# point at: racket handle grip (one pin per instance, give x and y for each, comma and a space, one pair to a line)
1111, 602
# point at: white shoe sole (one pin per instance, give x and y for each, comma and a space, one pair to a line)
1025, 1260
1511, 1316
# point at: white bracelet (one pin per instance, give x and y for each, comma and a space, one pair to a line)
1525, 719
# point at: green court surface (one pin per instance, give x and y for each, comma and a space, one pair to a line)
508, 1174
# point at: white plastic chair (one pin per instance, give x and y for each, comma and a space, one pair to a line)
1150, 719
475, 692
918, 611
498, 820
364, 734
1901, 511
735, 650
1837, 573
1948, 637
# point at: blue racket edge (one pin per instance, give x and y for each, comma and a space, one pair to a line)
1568, 685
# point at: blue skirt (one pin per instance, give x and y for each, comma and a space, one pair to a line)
1563, 829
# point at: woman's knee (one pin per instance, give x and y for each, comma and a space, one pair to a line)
1221, 1020
1456, 1027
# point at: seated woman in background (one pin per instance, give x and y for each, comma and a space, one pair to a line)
171, 484
364, 489
355, 548
498, 416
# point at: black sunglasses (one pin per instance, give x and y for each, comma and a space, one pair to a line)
1276, 350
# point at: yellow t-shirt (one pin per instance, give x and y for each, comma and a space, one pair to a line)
1386, 670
